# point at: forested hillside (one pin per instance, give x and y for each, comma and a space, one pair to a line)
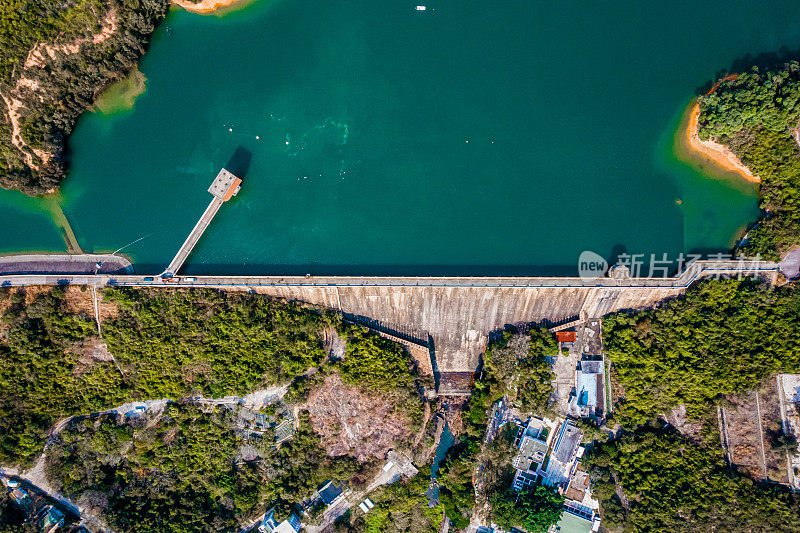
167, 345
170, 344
670, 483
56, 56
756, 114
724, 337
183, 463
697, 352
187, 470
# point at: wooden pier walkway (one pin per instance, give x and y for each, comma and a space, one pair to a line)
194, 236
223, 188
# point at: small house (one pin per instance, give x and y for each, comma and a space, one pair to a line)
533, 445
566, 336
329, 492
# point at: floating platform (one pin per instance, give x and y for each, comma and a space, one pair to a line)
225, 186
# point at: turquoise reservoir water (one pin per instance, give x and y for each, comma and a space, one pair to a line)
474, 137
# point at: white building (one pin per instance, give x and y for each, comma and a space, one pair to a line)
270, 525
590, 394
550, 453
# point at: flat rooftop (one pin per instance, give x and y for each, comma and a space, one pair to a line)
225, 185
568, 442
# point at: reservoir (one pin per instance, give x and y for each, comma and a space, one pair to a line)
469, 138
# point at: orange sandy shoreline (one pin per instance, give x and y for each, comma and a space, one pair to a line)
717, 153
205, 6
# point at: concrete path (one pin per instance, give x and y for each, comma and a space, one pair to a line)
194, 236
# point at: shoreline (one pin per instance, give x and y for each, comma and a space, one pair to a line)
717, 154
121, 95
206, 6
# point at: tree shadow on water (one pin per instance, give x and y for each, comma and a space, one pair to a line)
764, 61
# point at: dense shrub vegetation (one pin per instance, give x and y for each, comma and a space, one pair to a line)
724, 337
375, 362
378, 364
168, 344
534, 509
514, 367
39, 380
213, 343
67, 83
184, 472
399, 508
756, 115
673, 484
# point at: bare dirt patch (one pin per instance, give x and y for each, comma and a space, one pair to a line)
5, 300
718, 154
89, 351
422, 356
689, 428
32, 292
205, 6
745, 435
356, 423
80, 302
335, 347
194, 370
617, 390
769, 402
424, 426
36, 57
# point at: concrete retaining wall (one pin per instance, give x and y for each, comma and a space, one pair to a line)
459, 319
65, 264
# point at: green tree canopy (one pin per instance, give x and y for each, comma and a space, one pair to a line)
673, 484
723, 337
755, 115
167, 343
534, 509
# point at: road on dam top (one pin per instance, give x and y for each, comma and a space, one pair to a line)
456, 314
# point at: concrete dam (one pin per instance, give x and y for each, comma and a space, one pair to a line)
458, 319
451, 316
